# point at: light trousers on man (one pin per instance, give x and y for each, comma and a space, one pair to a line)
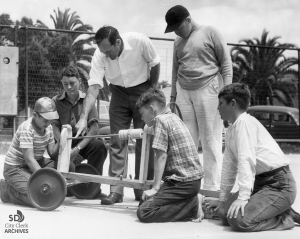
201, 116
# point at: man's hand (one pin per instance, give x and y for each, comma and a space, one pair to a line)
73, 156
235, 207
81, 127
212, 204
148, 194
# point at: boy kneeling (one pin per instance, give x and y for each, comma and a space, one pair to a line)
176, 163
25, 155
267, 188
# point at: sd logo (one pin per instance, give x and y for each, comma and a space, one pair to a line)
19, 217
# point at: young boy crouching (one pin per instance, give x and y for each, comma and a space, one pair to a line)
25, 155
267, 188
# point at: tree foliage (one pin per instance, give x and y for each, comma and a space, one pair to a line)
48, 53
263, 69
68, 21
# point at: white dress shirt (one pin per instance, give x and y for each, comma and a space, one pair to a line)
131, 68
249, 150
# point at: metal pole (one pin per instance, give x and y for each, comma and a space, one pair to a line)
16, 36
26, 73
299, 85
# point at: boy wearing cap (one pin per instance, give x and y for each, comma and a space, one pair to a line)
267, 188
25, 155
201, 66
176, 162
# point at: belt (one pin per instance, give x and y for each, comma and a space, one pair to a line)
131, 86
273, 172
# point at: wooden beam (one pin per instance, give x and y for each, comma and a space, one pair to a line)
130, 183
64, 149
145, 154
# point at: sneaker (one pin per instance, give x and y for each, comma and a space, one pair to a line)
295, 215
3, 192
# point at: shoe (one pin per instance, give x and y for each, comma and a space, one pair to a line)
3, 192
100, 195
69, 193
138, 194
295, 215
112, 199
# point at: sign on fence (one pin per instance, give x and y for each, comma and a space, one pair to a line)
9, 71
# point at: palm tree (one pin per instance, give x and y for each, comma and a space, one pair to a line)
69, 21
83, 49
262, 69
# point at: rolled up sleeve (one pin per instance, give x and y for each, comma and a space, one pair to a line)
93, 117
149, 52
97, 69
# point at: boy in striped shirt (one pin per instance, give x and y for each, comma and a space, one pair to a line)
25, 155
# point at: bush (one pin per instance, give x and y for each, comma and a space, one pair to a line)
290, 148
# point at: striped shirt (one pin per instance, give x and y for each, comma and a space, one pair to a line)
27, 138
173, 137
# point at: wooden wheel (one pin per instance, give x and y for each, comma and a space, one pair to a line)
47, 189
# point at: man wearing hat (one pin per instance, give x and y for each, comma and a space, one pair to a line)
25, 155
201, 67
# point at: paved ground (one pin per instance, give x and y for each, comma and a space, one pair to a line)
88, 219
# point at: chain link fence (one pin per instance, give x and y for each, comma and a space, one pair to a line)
43, 53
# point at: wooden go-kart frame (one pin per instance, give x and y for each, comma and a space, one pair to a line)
75, 178
47, 187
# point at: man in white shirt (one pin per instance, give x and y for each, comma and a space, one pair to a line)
131, 65
267, 188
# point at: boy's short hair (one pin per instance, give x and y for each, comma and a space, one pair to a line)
153, 94
70, 71
237, 91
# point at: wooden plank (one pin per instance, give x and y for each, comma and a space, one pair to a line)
64, 149
145, 154
130, 183
210, 193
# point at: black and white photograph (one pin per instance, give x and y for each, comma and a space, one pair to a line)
142, 119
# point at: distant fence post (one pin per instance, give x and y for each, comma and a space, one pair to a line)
299, 86
16, 36
26, 73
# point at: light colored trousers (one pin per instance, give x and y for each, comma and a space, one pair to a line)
200, 114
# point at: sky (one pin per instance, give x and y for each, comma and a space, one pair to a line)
235, 19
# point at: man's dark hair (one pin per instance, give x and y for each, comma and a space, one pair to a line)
237, 91
153, 94
108, 32
70, 71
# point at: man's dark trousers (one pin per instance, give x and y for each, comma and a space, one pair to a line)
122, 110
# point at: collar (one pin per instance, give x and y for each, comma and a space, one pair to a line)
167, 110
242, 116
81, 95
